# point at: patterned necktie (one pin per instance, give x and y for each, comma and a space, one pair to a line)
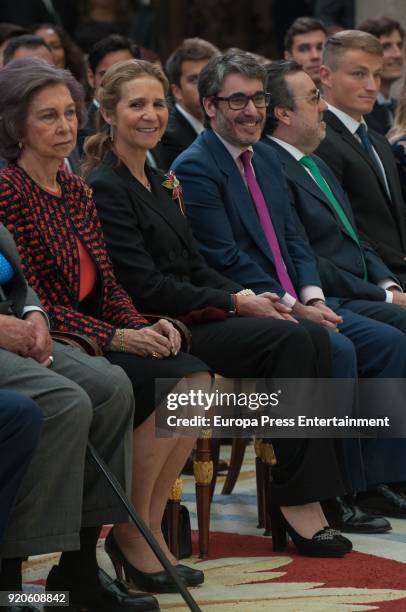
266, 223
311, 165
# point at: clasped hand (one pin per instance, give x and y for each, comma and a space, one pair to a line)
27, 337
159, 340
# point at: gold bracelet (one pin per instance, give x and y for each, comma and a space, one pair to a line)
121, 339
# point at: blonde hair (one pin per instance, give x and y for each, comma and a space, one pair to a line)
399, 124
346, 40
100, 144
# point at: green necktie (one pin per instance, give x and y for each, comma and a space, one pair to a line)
311, 165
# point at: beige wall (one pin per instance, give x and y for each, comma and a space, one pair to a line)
373, 8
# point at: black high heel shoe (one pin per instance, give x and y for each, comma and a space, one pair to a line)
323, 544
339, 536
153, 582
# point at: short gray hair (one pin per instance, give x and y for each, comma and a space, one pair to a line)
219, 66
20, 80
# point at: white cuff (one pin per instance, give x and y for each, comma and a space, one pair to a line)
386, 283
28, 309
288, 300
311, 292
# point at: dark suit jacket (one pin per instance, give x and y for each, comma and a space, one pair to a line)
17, 290
225, 221
178, 136
380, 218
339, 257
379, 119
152, 247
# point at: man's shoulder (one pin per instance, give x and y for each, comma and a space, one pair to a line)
197, 153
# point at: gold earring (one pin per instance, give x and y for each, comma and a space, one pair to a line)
111, 133
20, 144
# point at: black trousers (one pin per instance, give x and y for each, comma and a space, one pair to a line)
252, 347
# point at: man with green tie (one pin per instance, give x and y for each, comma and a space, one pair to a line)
354, 278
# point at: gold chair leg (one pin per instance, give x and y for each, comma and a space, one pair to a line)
172, 516
203, 472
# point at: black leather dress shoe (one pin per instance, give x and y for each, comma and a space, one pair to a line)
344, 514
104, 596
191, 576
382, 499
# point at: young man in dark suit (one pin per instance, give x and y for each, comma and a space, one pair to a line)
258, 244
362, 159
391, 35
186, 119
351, 272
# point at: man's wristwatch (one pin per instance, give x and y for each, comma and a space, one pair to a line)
315, 301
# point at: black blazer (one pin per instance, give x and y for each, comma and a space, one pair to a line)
339, 257
178, 136
381, 219
379, 119
151, 244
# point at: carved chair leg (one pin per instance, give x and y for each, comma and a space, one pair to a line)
215, 455
237, 456
203, 472
172, 516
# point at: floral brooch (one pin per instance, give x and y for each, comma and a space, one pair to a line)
172, 182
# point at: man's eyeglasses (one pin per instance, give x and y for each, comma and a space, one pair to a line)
313, 98
238, 101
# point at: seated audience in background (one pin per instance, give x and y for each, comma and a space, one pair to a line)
65, 51
157, 261
352, 274
65, 260
27, 45
397, 139
237, 201
20, 428
304, 42
391, 35
7, 31
63, 500
106, 52
186, 118
362, 159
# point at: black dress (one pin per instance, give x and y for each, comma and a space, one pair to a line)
158, 262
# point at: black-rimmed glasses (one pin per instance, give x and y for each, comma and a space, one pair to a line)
238, 101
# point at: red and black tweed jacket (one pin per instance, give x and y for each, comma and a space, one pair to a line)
45, 228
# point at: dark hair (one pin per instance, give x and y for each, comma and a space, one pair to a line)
381, 26
28, 41
100, 144
20, 80
10, 30
278, 87
302, 25
110, 44
219, 66
191, 49
74, 58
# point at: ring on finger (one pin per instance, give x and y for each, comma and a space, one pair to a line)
155, 355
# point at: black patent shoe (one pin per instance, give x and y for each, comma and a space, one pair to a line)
140, 601
153, 582
344, 514
97, 597
191, 576
322, 544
